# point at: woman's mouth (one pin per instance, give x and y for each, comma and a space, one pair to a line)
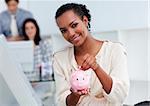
76, 38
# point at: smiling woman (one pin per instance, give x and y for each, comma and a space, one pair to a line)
74, 29
105, 60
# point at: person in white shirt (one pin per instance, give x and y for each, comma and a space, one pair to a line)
11, 20
109, 83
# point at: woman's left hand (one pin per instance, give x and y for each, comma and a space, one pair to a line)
80, 92
89, 61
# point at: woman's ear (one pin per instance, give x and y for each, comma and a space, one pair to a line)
85, 21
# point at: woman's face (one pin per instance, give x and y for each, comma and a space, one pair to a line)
73, 28
30, 30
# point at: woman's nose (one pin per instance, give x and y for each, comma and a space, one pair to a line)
71, 32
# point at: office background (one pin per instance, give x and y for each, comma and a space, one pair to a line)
116, 20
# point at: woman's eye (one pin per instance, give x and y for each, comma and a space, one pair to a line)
32, 27
74, 25
63, 31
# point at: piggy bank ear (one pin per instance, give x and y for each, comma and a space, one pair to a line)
74, 75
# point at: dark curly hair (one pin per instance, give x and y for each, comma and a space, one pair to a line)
78, 9
37, 38
6, 1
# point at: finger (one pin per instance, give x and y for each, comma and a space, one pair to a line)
85, 66
92, 63
86, 59
85, 91
85, 56
79, 92
89, 62
71, 89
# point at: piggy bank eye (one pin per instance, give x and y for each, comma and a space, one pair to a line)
77, 79
83, 78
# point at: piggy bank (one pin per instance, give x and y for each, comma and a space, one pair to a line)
79, 80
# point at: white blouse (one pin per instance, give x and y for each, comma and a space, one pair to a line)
112, 58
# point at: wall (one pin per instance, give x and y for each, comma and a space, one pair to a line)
111, 15
136, 43
149, 51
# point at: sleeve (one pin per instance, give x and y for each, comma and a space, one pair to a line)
62, 86
49, 49
37, 57
29, 14
46, 50
119, 75
22, 15
1, 26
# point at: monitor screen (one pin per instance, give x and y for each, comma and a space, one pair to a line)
15, 88
22, 51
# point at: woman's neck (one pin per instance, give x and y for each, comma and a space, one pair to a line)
91, 46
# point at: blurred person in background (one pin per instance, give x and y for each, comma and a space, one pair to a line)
42, 47
11, 20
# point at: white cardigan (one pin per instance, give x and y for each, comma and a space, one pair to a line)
112, 58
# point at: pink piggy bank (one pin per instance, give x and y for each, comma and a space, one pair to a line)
79, 80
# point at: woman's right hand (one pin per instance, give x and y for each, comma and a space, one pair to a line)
89, 61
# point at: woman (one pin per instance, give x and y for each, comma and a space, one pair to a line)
109, 83
42, 48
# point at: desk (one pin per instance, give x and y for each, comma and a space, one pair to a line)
35, 77
44, 87
45, 91
41, 79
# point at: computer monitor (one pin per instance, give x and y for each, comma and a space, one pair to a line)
22, 51
15, 88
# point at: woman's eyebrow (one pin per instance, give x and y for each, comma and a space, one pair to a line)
72, 22
69, 24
